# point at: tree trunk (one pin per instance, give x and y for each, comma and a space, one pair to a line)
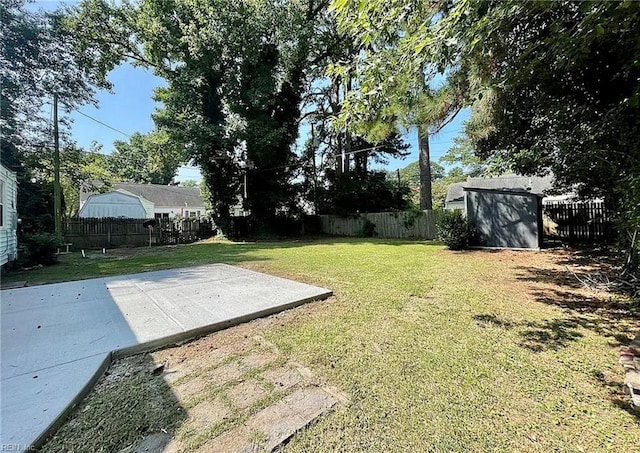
57, 190
335, 101
346, 150
425, 168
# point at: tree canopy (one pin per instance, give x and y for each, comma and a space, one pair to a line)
553, 86
38, 61
236, 72
146, 158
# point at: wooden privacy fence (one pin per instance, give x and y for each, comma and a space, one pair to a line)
88, 233
397, 225
579, 221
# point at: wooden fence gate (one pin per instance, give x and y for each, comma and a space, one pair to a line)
575, 222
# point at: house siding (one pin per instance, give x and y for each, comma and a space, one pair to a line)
174, 211
157, 200
8, 234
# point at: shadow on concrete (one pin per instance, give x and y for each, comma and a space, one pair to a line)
58, 340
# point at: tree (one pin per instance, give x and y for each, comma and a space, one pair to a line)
36, 62
440, 180
189, 183
568, 97
462, 153
83, 169
394, 88
552, 85
441, 185
361, 189
146, 158
349, 194
340, 157
235, 72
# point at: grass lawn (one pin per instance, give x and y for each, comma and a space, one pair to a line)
438, 350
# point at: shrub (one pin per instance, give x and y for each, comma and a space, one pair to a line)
368, 229
41, 248
454, 229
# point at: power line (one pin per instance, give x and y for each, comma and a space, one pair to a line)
97, 121
300, 164
104, 124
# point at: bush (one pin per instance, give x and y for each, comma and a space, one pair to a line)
454, 229
40, 248
368, 229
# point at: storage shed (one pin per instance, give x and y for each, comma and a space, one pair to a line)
505, 218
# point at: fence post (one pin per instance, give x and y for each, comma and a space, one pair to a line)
571, 223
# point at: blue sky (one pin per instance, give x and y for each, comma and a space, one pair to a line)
129, 107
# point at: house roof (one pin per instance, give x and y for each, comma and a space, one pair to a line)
533, 184
160, 195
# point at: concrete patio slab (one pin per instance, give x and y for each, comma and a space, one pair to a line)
56, 340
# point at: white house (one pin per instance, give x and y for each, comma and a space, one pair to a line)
8, 216
143, 201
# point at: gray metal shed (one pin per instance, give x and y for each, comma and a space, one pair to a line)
505, 218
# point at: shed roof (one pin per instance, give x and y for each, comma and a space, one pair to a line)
533, 184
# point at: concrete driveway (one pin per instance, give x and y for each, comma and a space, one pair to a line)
57, 340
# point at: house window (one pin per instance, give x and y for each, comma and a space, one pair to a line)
165, 215
198, 213
186, 213
157, 215
192, 214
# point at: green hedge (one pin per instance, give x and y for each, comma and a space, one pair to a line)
454, 229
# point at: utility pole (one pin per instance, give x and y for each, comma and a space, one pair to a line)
57, 198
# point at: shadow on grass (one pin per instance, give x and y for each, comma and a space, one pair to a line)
599, 308
132, 407
556, 334
581, 286
536, 336
613, 316
143, 259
